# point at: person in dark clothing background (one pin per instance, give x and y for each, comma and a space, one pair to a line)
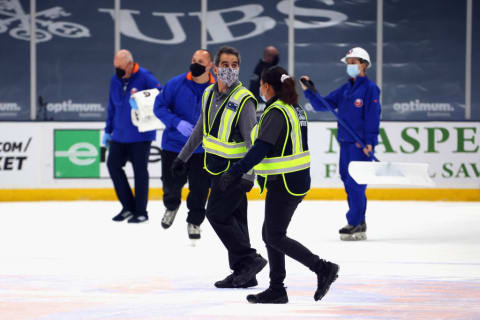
123, 139
281, 159
270, 58
179, 106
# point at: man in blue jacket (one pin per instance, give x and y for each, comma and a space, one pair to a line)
178, 106
124, 140
358, 105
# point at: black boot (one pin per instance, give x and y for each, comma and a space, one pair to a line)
269, 296
327, 273
228, 283
249, 271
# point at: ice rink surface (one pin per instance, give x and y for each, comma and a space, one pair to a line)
69, 261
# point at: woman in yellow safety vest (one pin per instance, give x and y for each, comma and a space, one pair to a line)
281, 159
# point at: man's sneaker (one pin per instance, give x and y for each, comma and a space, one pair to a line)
269, 296
354, 233
193, 231
249, 271
228, 283
327, 273
124, 214
138, 219
168, 218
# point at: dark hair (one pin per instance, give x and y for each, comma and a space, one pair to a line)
227, 50
363, 61
286, 90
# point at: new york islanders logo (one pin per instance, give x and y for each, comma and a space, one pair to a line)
358, 103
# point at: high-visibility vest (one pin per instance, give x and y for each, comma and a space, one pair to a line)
296, 156
218, 135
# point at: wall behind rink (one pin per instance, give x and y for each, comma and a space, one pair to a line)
75, 45
55, 161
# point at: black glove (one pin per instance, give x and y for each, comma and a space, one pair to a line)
246, 185
179, 168
227, 179
309, 84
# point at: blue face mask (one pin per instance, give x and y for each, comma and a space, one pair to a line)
352, 70
261, 95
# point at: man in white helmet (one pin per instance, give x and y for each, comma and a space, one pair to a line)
358, 105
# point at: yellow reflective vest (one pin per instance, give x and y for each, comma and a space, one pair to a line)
218, 135
293, 155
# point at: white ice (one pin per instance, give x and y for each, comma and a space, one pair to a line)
68, 260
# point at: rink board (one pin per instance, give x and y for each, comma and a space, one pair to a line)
65, 161
313, 194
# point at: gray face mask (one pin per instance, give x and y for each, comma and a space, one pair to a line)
228, 75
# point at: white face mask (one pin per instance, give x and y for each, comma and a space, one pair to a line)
353, 70
228, 75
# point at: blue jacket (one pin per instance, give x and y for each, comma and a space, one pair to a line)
119, 121
181, 99
358, 104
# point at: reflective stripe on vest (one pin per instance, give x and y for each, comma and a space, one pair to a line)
298, 160
225, 150
283, 164
220, 144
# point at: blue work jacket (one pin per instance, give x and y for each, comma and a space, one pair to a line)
119, 121
358, 105
181, 99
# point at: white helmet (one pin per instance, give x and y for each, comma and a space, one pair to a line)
357, 52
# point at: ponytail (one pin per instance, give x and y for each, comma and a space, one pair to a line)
283, 84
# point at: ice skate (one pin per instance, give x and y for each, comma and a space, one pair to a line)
354, 233
193, 231
168, 218
124, 214
138, 219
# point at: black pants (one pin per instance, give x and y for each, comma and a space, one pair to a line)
279, 209
227, 213
137, 153
198, 183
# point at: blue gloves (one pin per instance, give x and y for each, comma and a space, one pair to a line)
133, 104
107, 137
185, 128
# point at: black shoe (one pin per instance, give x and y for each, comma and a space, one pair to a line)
228, 283
327, 274
138, 219
269, 296
124, 214
354, 233
248, 272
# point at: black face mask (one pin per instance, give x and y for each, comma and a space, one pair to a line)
275, 60
120, 72
197, 69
